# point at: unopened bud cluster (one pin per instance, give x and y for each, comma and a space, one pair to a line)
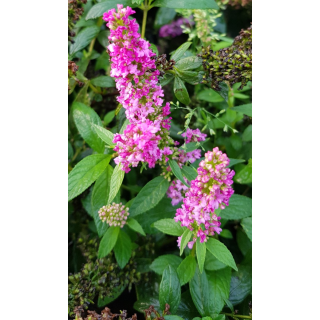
231, 65
114, 214
75, 10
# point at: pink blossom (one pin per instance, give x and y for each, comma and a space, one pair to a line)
194, 135
133, 67
209, 191
177, 190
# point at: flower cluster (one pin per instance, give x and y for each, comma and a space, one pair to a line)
194, 135
146, 139
174, 28
209, 191
114, 214
177, 191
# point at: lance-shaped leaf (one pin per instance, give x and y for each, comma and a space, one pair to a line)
181, 91
170, 290
108, 241
149, 196
221, 252
85, 118
100, 195
85, 173
116, 181
177, 171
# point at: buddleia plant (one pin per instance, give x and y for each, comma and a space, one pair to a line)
230, 65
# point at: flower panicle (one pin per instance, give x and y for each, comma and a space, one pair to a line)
209, 191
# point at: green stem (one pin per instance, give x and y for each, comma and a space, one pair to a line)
144, 20
91, 46
236, 316
217, 118
94, 89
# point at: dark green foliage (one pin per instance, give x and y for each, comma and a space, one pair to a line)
98, 278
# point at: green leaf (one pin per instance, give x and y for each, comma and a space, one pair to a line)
188, 76
180, 91
70, 151
209, 95
103, 81
170, 290
100, 8
85, 118
239, 207
164, 16
85, 173
241, 96
235, 161
154, 48
102, 62
247, 133
241, 283
104, 134
143, 304
83, 38
166, 79
124, 126
178, 54
169, 226
244, 243
177, 171
199, 289
100, 195
221, 252
159, 264
247, 226
109, 117
244, 176
189, 172
103, 38
245, 109
226, 234
86, 203
185, 239
164, 209
135, 225
116, 292
186, 269
212, 263
149, 196
189, 63
122, 249
187, 309
219, 287
108, 241
224, 91
219, 317
236, 142
186, 4
172, 317
190, 146
201, 254
116, 181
